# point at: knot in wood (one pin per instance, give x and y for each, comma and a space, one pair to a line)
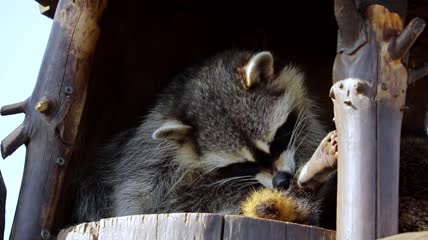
384, 87
42, 105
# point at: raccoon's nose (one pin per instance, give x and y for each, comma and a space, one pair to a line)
282, 180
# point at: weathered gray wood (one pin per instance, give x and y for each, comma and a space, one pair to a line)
297, 231
243, 228
391, 96
50, 132
13, 108
84, 231
136, 227
189, 226
2, 206
357, 161
317, 233
204, 226
369, 92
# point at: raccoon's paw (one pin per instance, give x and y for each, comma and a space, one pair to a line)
271, 204
329, 145
322, 163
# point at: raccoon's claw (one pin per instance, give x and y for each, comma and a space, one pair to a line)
322, 163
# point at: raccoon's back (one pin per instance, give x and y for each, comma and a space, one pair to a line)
93, 200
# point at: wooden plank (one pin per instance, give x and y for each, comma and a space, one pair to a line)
297, 231
317, 233
175, 226
130, 227
202, 226
84, 231
189, 226
243, 228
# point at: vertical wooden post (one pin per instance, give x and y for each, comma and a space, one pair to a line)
369, 90
2, 206
52, 116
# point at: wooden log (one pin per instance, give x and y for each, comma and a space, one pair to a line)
201, 226
369, 91
2, 206
53, 114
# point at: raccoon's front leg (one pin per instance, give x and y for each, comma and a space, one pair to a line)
322, 164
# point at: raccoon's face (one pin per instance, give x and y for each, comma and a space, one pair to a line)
235, 115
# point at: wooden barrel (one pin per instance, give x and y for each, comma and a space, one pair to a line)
202, 226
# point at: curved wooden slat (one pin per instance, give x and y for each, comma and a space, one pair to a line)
202, 226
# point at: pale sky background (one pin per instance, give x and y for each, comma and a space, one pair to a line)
23, 37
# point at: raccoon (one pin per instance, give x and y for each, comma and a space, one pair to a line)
319, 175
218, 131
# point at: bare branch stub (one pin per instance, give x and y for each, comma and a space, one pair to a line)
13, 141
416, 74
14, 108
400, 46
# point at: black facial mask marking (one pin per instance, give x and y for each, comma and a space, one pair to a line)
240, 169
283, 135
264, 160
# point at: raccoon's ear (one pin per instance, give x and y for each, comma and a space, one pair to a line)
258, 68
172, 130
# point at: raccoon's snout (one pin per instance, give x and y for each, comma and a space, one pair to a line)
282, 180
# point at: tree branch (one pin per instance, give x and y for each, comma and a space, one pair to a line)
14, 108
416, 74
13, 141
400, 46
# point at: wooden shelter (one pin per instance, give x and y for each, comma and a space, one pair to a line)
106, 60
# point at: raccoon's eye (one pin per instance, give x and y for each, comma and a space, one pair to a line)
283, 135
240, 169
